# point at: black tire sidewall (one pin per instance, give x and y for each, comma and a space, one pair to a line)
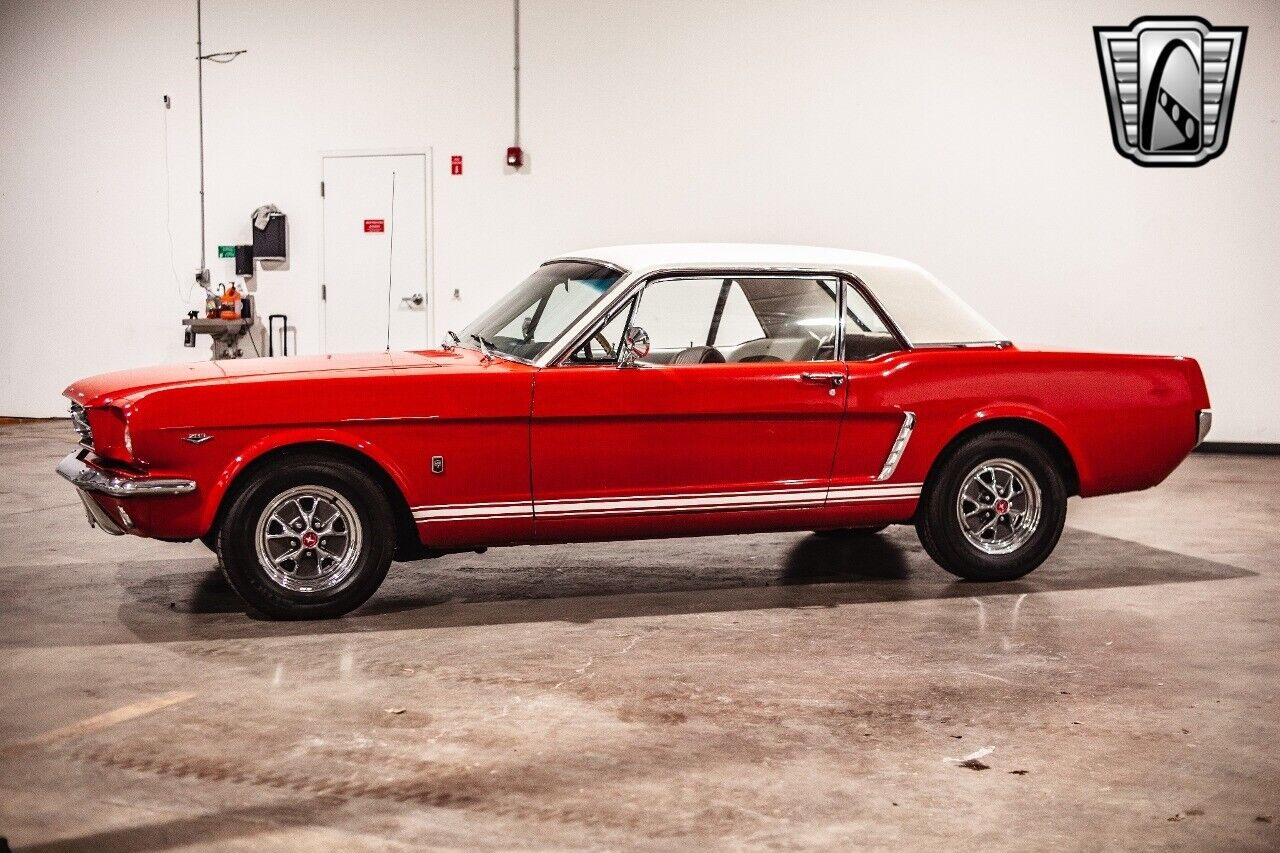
238, 552
940, 530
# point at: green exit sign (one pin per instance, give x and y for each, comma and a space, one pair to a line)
226, 251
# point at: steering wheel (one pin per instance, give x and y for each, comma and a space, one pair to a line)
825, 341
604, 345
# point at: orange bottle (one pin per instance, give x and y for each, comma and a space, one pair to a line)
231, 303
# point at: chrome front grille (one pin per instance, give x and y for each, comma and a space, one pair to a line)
80, 421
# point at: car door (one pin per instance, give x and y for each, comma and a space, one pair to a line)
865, 486
730, 422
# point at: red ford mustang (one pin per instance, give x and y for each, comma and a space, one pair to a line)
635, 392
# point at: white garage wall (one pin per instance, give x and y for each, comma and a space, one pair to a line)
970, 137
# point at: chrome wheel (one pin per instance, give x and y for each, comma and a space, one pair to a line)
998, 506
308, 539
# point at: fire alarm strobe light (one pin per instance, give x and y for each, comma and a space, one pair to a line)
515, 156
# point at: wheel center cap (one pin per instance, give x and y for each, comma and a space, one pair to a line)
1002, 506
309, 539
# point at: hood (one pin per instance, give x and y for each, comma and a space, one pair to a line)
108, 388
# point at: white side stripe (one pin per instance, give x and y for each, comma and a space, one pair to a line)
813, 497
819, 492
839, 495
640, 504
462, 510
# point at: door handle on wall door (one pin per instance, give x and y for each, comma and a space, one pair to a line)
414, 301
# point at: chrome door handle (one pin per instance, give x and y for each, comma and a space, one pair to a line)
415, 300
836, 379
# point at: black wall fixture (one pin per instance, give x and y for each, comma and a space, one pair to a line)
269, 242
244, 259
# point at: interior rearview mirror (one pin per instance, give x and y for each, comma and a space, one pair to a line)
635, 346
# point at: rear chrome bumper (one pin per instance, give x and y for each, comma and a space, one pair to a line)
75, 470
1204, 423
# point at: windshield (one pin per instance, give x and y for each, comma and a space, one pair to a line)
528, 319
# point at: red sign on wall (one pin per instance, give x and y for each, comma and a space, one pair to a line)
455, 164
375, 226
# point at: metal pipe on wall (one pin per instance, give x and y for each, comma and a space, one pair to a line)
203, 274
516, 70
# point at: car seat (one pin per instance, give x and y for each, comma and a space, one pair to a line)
699, 355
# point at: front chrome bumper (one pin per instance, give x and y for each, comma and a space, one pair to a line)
74, 469
98, 516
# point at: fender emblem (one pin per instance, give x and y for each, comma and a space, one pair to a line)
197, 438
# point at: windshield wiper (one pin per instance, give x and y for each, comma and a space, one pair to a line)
488, 350
457, 341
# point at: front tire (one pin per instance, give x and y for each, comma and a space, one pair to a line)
995, 508
307, 539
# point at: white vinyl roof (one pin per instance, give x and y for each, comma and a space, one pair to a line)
926, 310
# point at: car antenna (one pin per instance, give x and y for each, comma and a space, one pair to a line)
391, 256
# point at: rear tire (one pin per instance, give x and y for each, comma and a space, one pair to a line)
307, 539
994, 509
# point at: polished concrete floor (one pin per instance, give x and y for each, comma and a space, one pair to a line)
777, 690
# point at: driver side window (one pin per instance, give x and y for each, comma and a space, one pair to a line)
718, 320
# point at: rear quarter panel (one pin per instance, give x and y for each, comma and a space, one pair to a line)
1126, 420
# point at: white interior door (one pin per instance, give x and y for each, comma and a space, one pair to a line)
376, 292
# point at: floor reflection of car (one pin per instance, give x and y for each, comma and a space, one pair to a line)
635, 392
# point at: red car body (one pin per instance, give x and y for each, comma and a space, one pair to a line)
569, 453
790, 389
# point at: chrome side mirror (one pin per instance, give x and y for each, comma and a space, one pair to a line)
635, 346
